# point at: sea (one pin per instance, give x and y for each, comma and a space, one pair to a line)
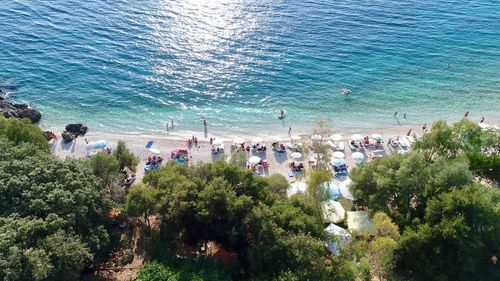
131, 66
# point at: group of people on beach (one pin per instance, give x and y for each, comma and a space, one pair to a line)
194, 140
154, 161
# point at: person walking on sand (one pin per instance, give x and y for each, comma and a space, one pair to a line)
482, 120
466, 114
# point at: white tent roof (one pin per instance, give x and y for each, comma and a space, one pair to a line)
342, 235
333, 211
296, 187
344, 189
359, 221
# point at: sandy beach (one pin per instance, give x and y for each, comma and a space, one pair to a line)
278, 162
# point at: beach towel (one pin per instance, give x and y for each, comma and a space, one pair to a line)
149, 144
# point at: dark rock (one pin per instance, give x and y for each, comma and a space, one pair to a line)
77, 129
68, 137
20, 111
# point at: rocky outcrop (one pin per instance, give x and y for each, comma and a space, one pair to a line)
77, 129
73, 131
19, 111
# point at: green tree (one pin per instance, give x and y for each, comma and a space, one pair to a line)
458, 238
23, 131
141, 201
155, 271
125, 157
106, 167
278, 185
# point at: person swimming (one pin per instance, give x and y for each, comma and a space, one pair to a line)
281, 114
346, 92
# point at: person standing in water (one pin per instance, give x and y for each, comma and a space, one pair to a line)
424, 128
205, 124
172, 123
395, 114
289, 130
166, 126
466, 114
482, 120
404, 115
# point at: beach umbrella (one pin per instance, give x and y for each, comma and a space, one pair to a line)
358, 156
256, 140
154, 150
97, 144
277, 139
316, 137
295, 138
336, 137
337, 162
357, 137
254, 160
238, 141
377, 137
218, 142
296, 155
338, 154
483, 126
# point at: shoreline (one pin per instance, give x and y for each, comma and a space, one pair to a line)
167, 143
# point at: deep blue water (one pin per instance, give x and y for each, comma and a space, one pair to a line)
123, 65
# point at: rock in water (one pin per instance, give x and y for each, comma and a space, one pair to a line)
20, 111
77, 129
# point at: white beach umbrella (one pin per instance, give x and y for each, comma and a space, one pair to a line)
358, 156
256, 140
218, 142
155, 150
316, 137
97, 144
277, 139
338, 154
484, 126
337, 162
238, 141
357, 137
254, 160
296, 155
336, 137
377, 137
295, 138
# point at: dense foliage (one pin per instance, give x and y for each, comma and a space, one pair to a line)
449, 224
53, 219
245, 214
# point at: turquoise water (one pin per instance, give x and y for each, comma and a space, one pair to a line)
128, 66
